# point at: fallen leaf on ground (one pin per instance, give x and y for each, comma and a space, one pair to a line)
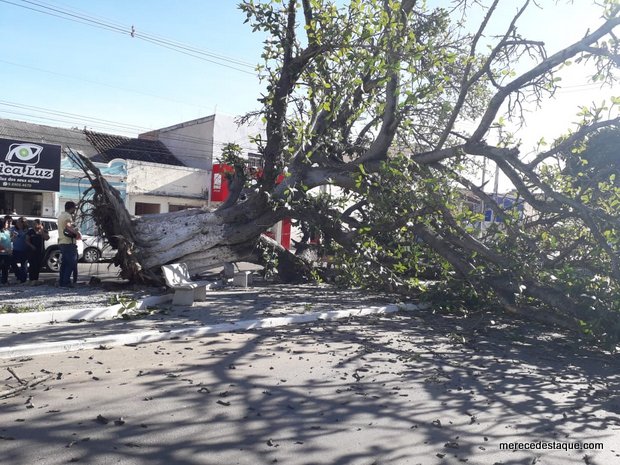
101, 419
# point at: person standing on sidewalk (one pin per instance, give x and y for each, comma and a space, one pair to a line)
68, 234
21, 249
38, 235
6, 251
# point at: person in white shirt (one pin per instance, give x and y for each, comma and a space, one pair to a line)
68, 235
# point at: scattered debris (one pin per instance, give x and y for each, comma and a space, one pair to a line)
23, 384
101, 419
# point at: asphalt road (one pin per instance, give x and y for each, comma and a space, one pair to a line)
107, 271
100, 270
399, 390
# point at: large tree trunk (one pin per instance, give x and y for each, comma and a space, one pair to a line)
291, 268
197, 237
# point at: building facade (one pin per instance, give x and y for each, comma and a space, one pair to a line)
161, 171
148, 176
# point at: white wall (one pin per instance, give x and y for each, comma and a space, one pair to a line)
165, 185
49, 204
190, 142
167, 180
199, 143
163, 202
226, 131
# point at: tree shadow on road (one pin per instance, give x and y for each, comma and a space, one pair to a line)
400, 389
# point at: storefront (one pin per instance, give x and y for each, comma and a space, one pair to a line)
29, 177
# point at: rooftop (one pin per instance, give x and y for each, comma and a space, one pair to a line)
97, 146
109, 147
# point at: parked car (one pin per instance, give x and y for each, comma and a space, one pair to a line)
96, 248
52, 252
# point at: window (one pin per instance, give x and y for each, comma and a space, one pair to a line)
50, 225
255, 160
177, 208
142, 208
23, 203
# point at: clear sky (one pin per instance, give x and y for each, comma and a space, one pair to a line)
52, 66
65, 66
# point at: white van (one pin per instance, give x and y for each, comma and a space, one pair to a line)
52, 252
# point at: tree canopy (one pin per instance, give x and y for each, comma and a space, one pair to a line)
394, 104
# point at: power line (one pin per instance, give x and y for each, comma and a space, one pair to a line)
76, 78
125, 30
78, 140
189, 50
590, 87
106, 125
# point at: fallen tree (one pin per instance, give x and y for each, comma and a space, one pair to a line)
373, 99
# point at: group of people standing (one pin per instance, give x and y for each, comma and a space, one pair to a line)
22, 246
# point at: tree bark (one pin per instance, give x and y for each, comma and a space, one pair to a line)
200, 238
291, 268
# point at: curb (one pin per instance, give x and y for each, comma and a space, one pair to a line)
194, 331
90, 314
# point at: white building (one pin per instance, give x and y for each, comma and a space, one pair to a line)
157, 188
165, 170
199, 143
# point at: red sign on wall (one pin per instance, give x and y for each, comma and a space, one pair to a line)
219, 183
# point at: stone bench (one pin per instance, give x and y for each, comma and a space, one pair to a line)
240, 278
243, 279
186, 291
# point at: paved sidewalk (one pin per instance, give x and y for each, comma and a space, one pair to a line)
404, 389
224, 310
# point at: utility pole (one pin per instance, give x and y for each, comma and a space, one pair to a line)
495, 189
484, 172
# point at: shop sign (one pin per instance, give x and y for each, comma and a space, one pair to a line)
29, 166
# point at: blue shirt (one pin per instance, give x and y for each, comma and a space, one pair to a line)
5, 242
19, 243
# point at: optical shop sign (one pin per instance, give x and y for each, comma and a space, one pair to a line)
28, 166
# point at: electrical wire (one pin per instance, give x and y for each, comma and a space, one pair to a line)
124, 30
195, 52
198, 143
99, 83
80, 139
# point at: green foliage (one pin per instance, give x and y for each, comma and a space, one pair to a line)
356, 97
136, 315
231, 156
127, 304
12, 308
385, 251
269, 260
388, 253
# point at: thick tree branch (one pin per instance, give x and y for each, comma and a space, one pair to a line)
570, 141
545, 66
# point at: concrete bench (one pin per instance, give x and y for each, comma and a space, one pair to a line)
243, 279
239, 279
186, 291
